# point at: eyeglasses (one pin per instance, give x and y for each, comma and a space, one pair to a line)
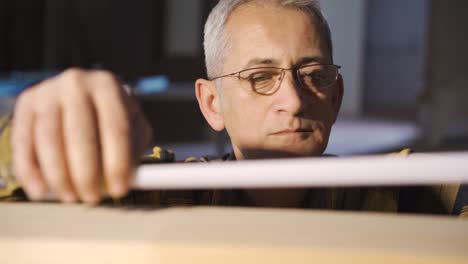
267, 80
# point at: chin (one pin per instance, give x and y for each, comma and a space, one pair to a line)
304, 151
286, 146
312, 146
286, 151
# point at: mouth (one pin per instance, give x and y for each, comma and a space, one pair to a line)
292, 131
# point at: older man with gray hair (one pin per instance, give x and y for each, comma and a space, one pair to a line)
277, 91
271, 84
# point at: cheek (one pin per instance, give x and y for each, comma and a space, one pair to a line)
244, 117
320, 107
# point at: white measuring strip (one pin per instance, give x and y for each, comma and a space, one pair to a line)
381, 170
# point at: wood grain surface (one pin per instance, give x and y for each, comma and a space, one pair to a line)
55, 233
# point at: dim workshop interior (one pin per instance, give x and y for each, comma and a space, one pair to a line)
233, 131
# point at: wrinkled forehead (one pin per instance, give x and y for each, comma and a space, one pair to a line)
284, 34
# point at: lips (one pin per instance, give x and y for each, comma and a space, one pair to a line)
291, 131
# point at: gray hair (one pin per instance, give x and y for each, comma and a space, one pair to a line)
215, 40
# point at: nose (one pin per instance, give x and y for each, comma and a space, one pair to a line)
289, 97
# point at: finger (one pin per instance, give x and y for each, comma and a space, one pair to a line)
114, 133
25, 164
83, 146
50, 150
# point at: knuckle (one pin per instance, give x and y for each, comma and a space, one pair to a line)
72, 80
24, 98
105, 76
72, 73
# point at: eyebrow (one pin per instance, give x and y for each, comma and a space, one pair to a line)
307, 60
273, 62
261, 61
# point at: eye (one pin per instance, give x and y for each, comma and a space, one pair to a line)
316, 78
263, 80
259, 77
314, 75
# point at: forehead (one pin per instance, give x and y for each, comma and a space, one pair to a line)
282, 34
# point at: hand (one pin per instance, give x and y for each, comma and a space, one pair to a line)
77, 135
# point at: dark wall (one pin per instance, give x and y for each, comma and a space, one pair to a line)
444, 104
21, 34
395, 55
126, 37
122, 36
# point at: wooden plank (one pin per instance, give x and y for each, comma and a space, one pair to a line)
54, 233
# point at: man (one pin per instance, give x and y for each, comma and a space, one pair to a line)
271, 84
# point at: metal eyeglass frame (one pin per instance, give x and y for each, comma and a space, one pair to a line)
281, 75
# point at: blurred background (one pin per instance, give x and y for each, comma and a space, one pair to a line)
404, 65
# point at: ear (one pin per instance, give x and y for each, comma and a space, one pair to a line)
209, 103
337, 95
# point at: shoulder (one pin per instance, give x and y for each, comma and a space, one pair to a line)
209, 158
160, 155
8, 184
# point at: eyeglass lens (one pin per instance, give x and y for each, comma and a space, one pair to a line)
267, 80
